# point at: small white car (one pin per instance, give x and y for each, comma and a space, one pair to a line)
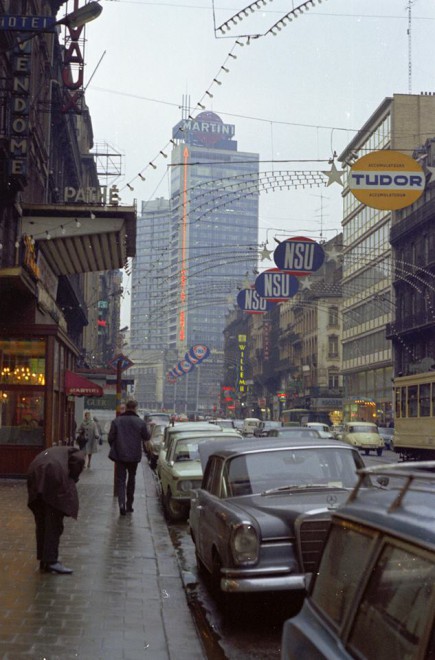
249, 424
323, 429
363, 435
180, 471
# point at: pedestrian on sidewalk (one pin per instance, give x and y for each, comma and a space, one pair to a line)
127, 434
89, 431
52, 494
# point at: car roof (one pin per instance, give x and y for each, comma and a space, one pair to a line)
258, 444
405, 510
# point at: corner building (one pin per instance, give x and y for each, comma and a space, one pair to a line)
403, 122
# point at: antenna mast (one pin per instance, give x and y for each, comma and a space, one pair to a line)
409, 32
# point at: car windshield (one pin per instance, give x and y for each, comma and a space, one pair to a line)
186, 451
363, 429
291, 432
269, 470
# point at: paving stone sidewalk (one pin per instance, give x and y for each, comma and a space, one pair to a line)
125, 600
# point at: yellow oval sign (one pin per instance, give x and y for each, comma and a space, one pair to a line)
386, 180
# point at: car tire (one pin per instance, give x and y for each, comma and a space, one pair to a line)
174, 511
379, 451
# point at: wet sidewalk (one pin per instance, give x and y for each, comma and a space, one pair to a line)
125, 599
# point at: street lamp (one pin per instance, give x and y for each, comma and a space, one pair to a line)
38, 24
80, 16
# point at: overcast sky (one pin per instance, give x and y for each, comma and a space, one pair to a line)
297, 97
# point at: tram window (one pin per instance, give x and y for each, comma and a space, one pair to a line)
425, 400
412, 401
397, 402
403, 404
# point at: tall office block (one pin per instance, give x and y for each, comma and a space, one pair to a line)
403, 123
193, 252
214, 242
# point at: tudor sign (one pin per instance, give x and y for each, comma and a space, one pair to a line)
386, 180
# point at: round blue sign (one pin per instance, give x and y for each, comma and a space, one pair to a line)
299, 256
251, 302
276, 285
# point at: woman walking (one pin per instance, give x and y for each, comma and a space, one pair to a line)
89, 430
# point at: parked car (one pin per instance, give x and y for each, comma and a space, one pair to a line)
262, 513
180, 471
249, 424
293, 431
181, 427
265, 426
373, 595
224, 423
323, 429
363, 435
387, 434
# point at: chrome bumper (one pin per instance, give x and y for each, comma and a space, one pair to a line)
264, 583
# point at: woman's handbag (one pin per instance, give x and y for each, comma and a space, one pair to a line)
81, 439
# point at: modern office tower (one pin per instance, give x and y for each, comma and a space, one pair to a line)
213, 247
403, 123
149, 290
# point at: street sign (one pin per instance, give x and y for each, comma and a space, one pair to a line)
276, 285
27, 23
120, 361
299, 256
251, 302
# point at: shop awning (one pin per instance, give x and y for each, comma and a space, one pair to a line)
77, 385
81, 239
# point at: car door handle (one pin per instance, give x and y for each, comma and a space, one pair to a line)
199, 507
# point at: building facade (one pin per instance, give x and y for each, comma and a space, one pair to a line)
403, 123
56, 227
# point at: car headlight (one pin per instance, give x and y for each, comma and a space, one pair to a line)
188, 485
244, 544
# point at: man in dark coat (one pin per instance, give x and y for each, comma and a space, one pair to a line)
51, 486
127, 434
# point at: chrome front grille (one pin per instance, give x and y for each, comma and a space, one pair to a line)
312, 532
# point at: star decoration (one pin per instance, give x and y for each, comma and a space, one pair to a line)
334, 176
430, 173
333, 254
265, 254
305, 283
246, 284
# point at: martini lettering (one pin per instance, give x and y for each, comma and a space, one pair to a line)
209, 127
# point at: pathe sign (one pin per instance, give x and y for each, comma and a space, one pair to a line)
386, 180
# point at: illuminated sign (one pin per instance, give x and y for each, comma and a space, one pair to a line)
19, 116
386, 180
299, 256
277, 285
206, 129
251, 302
